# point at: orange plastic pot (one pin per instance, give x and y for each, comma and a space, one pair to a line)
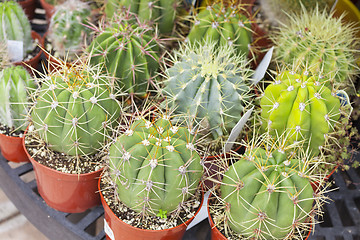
29, 7
123, 231
72, 193
12, 149
49, 9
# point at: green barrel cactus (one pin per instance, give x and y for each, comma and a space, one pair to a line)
300, 107
210, 84
268, 195
155, 166
161, 12
223, 25
74, 110
68, 32
14, 25
16, 84
327, 48
129, 51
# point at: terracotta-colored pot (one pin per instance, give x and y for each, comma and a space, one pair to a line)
49, 9
33, 63
315, 185
29, 7
72, 193
123, 231
12, 149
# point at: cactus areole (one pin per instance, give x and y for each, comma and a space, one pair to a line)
267, 196
74, 111
300, 107
155, 166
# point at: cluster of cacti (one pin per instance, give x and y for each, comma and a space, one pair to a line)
223, 25
14, 25
324, 43
210, 84
299, 106
155, 165
75, 110
129, 52
160, 12
68, 30
16, 84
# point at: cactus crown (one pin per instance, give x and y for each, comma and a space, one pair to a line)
67, 31
210, 85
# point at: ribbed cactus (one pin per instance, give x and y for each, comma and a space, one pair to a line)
68, 32
155, 166
160, 12
14, 25
325, 43
74, 110
302, 108
129, 51
16, 84
267, 195
210, 84
223, 25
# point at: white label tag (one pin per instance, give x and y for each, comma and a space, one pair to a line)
108, 230
15, 50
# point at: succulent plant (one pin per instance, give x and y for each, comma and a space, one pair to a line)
68, 32
4, 55
161, 12
129, 51
223, 25
328, 48
155, 165
302, 108
14, 25
210, 84
268, 195
75, 110
16, 84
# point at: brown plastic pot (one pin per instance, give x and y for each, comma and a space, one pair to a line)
33, 62
124, 231
49, 9
72, 193
29, 7
12, 149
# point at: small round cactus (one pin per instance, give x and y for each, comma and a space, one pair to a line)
210, 84
14, 25
155, 166
300, 107
223, 25
129, 51
68, 32
75, 109
16, 84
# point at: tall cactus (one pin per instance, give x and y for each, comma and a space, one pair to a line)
14, 25
68, 32
16, 84
155, 166
302, 108
129, 51
75, 108
209, 84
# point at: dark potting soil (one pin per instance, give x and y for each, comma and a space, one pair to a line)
62, 162
34, 52
12, 132
134, 219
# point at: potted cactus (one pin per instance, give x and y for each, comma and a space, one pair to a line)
151, 187
74, 112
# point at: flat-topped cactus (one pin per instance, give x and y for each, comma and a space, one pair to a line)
16, 85
155, 165
302, 108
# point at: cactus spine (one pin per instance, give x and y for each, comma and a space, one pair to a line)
301, 107
155, 166
129, 51
15, 86
74, 110
14, 25
209, 84
67, 31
